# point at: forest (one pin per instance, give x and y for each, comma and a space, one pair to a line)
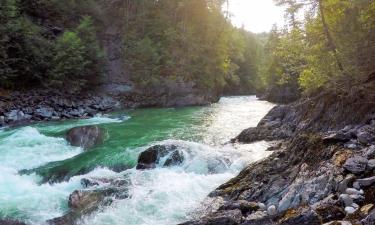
325, 44
51, 43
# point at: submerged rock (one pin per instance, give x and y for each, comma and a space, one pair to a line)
85, 202
85, 137
149, 158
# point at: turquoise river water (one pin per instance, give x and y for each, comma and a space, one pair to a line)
162, 196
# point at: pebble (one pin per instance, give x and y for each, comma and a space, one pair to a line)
365, 182
346, 199
272, 210
262, 206
371, 164
353, 191
350, 210
356, 185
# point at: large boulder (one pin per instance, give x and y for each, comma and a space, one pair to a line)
85, 202
85, 137
153, 155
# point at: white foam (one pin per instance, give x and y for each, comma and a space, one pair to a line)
26, 148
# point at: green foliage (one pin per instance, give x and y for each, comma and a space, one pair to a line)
332, 47
187, 40
32, 55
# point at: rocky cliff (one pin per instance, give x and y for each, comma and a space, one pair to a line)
321, 170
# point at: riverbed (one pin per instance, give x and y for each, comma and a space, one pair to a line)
161, 196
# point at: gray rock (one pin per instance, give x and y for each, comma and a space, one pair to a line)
371, 164
366, 134
343, 185
336, 137
230, 217
85, 137
2, 120
350, 210
356, 164
44, 112
353, 191
370, 219
356, 185
366, 181
17, 115
370, 152
272, 210
346, 199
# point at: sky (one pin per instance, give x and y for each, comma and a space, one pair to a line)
256, 15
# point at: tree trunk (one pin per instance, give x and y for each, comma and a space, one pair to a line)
330, 40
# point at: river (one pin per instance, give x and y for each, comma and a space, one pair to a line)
162, 196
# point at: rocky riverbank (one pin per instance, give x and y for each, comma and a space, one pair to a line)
321, 172
20, 108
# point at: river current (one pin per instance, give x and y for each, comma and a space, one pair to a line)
161, 196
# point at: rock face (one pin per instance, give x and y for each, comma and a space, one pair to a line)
20, 108
11, 222
85, 137
282, 94
320, 173
322, 113
152, 156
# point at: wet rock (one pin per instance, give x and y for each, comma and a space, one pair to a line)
149, 158
85, 200
85, 137
2, 120
17, 115
44, 112
365, 182
229, 217
356, 164
11, 222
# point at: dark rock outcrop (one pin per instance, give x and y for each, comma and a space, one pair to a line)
10, 222
149, 158
85, 137
282, 94
320, 173
85, 202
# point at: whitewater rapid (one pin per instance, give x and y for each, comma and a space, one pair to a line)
162, 196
